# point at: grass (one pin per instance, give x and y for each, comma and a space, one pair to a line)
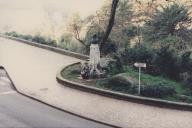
73, 73
152, 80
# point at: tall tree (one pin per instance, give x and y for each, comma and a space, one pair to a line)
110, 24
171, 24
100, 21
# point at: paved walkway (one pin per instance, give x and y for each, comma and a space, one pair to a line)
33, 71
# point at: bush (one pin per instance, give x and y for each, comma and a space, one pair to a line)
158, 91
166, 64
139, 53
122, 80
109, 47
51, 42
186, 62
130, 31
39, 39
27, 37
13, 33
123, 83
188, 83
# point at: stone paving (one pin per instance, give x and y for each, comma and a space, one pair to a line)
33, 71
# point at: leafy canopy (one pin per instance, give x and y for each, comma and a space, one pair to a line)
169, 21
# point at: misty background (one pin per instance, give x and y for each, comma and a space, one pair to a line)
32, 16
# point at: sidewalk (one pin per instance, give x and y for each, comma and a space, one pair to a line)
33, 71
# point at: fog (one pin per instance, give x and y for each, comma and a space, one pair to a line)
31, 16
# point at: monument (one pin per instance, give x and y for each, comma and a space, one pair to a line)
94, 57
94, 60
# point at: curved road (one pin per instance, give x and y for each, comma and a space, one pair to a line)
19, 111
33, 71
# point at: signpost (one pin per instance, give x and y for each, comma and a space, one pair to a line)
140, 65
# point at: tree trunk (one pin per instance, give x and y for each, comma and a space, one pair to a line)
110, 24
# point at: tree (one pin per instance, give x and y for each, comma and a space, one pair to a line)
144, 11
75, 27
110, 24
172, 21
76, 24
99, 22
123, 22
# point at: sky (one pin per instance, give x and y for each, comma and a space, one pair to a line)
27, 16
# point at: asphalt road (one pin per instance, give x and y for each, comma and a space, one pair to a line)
22, 112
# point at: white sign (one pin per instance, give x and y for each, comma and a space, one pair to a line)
140, 65
143, 65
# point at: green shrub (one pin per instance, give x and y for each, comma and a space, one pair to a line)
27, 37
165, 63
51, 42
39, 39
164, 23
139, 53
13, 33
130, 31
109, 47
185, 62
188, 84
157, 91
189, 100
187, 92
123, 83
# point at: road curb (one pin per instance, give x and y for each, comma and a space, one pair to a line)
47, 47
121, 96
55, 107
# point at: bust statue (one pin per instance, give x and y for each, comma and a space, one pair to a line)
94, 56
95, 39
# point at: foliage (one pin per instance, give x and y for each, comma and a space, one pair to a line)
98, 23
138, 53
115, 67
130, 31
37, 38
152, 86
186, 62
168, 22
13, 33
109, 47
27, 37
166, 63
75, 27
158, 91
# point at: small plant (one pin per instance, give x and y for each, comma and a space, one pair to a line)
158, 91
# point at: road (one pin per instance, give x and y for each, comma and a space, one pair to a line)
33, 71
19, 111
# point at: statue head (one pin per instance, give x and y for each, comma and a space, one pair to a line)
95, 39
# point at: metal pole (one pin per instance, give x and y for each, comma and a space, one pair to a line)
139, 89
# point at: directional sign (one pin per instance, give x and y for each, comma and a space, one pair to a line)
143, 65
140, 65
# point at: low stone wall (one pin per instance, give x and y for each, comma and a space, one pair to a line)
121, 96
54, 49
